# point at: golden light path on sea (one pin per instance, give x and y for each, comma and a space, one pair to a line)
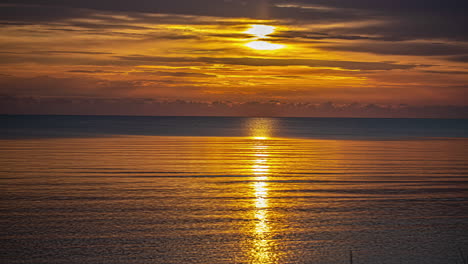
262, 250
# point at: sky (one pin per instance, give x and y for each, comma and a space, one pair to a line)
356, 58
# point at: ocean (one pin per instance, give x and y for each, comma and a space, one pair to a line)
115, 189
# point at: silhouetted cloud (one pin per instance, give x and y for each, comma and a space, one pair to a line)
416, 19
399, 20
147, 106
402, 48
174, 74
250, 61
93, 71
449, 72
305, 35
463, 58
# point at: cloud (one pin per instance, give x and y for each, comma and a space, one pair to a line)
34, 11
44, 59
463, 58
174, 74
251, 61
347, 20
93, 71
92, 86
402, 20
251, 8
54, 52
194, 49
401, 48
449, 72
53, 86
147, 106
313, 36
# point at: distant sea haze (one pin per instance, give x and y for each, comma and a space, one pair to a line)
116, 189
27, 126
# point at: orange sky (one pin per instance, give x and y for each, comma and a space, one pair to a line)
167, 56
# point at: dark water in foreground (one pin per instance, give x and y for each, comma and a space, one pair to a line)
232, 190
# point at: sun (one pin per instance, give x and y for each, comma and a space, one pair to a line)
264, 45
260, 31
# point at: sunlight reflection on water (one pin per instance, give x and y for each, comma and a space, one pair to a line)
260, 129
259, 198
263, 245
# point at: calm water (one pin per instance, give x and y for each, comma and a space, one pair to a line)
232, 190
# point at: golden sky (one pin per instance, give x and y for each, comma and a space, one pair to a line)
293, 53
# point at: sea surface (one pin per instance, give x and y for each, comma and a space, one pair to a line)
107, 189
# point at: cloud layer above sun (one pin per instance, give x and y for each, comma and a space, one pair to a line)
382, 53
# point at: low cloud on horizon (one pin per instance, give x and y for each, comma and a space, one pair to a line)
152, 107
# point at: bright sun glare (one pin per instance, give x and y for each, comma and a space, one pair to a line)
263, 45
262, 31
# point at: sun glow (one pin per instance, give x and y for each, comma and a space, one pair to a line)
264, 45
260, 129
262, 32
